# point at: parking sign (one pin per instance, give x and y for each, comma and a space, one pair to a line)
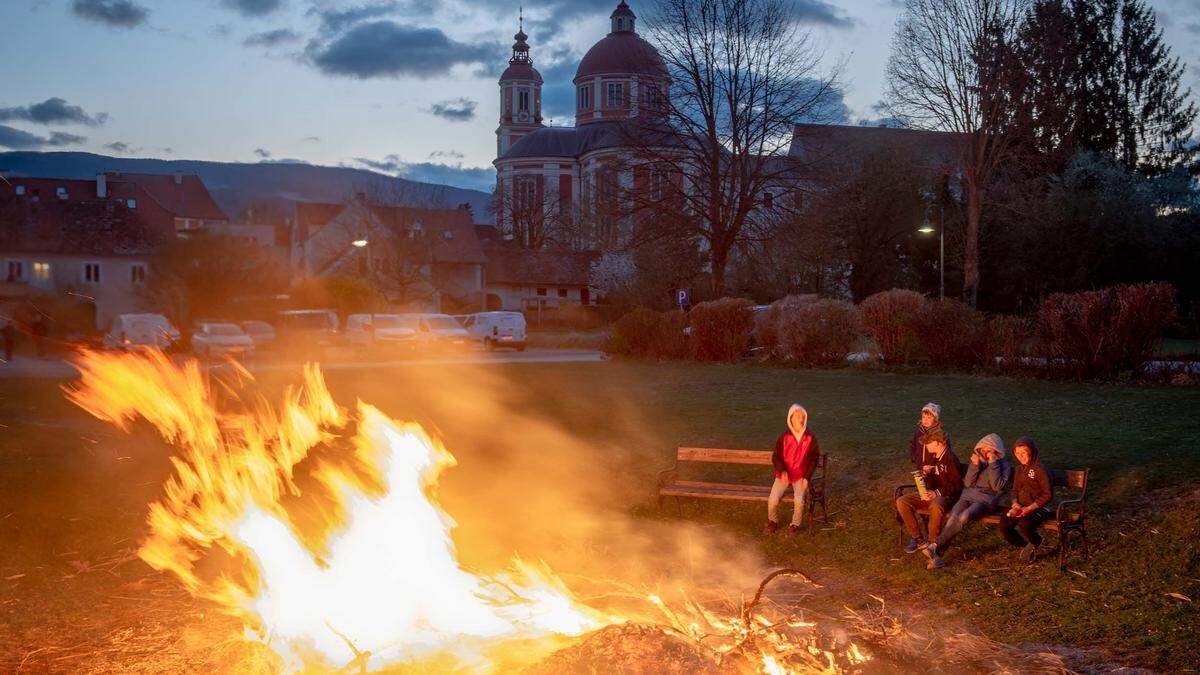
683, 297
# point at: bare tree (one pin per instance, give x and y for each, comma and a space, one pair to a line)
946, 73
742, 74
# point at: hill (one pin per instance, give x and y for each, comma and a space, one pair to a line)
237, 186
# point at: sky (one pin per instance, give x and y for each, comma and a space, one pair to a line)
406, 87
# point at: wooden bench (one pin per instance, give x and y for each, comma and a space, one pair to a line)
1069, 518
669, 484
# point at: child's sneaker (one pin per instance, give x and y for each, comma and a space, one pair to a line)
1029, 553
771, 528
935, 563
914, 544
794, 529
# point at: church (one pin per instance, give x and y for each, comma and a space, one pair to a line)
550, 177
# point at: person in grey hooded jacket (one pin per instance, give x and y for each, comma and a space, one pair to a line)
987, 478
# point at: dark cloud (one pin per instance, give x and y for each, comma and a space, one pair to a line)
17, 139
388, 49
52, 111
272, 38
220, 30
253, 7
334, 20
118, 146
820, 13
265, 154
117, 13
455, 110
457, 175
312, 139
445, 154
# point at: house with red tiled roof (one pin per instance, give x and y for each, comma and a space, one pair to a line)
536, 282
418, 258
90, 241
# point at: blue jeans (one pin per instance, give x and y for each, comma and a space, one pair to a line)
960, 516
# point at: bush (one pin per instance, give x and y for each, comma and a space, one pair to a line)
721, 329
767, 324
1102, 334
888, 317
818, 332
1009, 338
649, 334
952, 334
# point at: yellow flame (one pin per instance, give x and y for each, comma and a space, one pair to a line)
379, 575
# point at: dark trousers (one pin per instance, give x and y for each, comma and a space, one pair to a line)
1027, 527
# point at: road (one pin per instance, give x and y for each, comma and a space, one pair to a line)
29, 367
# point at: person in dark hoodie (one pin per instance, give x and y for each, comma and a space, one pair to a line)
1032, 492
795, 457
942, 474
988, 476
931, 418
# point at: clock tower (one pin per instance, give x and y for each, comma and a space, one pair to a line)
520, 95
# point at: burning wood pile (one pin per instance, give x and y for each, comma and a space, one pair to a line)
320, 530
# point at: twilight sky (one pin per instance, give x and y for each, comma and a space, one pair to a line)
402, 86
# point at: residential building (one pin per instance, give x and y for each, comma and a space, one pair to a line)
536, 282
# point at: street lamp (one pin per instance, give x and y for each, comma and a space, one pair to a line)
927, 228
359, 243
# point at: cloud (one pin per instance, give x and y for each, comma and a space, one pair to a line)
17, 139
558, 94
116, 13
457, 175
220, 31
455, 110
265, 154
1192, 27
820, 13
336, 19
445, 154
118, 146
388, 49
272, 38
311, 139
253, 7
52, 111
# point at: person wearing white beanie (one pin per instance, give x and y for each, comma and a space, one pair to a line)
794, 458
931, 419
987, 478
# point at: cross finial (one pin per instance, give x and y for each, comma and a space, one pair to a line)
521, 18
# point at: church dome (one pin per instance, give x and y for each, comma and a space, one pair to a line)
622, 51
520, 66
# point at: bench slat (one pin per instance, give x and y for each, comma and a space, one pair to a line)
720, 486
712, 493
724, 456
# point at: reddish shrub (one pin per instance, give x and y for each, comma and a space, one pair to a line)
1009, 339
1102, 334
721, 329
649, 334
767, 324
818, 332
952, 334
888, 317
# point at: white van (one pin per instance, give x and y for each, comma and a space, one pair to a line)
382, 331
439, 330
139, 331
498, 329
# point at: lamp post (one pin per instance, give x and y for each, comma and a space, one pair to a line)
361, 243
927, 228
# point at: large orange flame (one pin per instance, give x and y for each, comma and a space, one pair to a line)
376, 575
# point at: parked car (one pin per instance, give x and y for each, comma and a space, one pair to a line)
439, 331
382, 332
498, 329
140, 331
307, 332
221, 339
261, 332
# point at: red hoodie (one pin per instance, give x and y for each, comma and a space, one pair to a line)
795, 458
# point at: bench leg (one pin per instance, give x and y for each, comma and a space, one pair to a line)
679, 507
1087, 553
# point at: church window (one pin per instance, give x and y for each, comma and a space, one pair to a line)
616, 95
585, 97
523, 101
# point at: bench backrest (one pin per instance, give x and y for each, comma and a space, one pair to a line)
726, 456
1076, 479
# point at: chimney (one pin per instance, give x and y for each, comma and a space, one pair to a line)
101, 186
179, 178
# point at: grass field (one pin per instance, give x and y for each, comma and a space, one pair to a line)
58, 468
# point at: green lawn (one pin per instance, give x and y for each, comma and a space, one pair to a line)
58, 469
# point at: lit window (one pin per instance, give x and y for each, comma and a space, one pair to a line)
131, 203
20, 190
585, 97
61, 192
616, 95
16, 270
41, 271
137, 273
91, 273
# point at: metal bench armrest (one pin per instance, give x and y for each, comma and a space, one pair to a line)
900, 490
668, 475
1063, 508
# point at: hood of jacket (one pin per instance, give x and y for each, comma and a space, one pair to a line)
797, 430
1030, 443
994, 442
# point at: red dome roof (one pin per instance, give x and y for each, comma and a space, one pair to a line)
622, 53
521, 71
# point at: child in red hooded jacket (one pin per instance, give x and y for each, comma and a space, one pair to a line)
795, 457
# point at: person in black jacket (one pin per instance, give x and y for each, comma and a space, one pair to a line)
1032, 492
931, 419
942, 474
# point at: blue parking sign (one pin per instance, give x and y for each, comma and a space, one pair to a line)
683, 297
